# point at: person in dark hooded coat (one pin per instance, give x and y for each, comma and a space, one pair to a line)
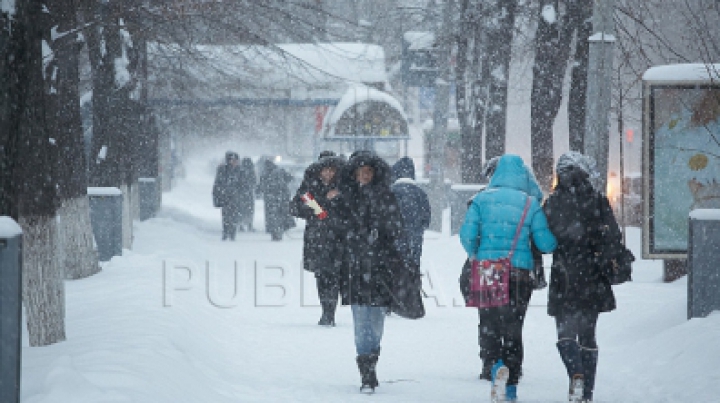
276, 195
580, 288
247, 194
374, 227
414, 208
227, 194
323, 242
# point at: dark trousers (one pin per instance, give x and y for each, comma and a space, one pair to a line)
328, 286
579, 326
230, 218
501, 328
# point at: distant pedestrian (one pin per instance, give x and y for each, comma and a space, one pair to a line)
374, 227
580, 289
226, 194
414, 208
273, 185
316, 202
492, 228
247, 195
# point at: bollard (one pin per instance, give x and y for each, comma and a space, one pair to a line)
106, 215
10, 309
703, 257
148, 191
460, 196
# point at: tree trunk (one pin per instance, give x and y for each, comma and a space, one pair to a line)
582, 19
43, 286
500, 27
8, 147
76, 241
473, 143
104, 46
438, 195
463, 80
552, 48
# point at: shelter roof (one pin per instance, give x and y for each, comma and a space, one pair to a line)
690, 72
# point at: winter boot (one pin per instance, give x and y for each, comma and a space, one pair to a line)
499, 374
589, 361
511, 393
372, 374
487, 363
366, 364
328, 314
485, 374
570, 354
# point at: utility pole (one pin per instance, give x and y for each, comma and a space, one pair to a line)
438, 194
597, 120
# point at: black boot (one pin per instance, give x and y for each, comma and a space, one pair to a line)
570, 354
328, 313
589, 361
366, 365
485, 373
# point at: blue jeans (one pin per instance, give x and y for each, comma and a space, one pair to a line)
369, 323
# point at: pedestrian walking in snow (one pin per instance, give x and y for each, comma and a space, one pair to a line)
501, 219
538, 276
276, 196
414, 208
227, 193
247, 195
316, 202
580, 289
374, 227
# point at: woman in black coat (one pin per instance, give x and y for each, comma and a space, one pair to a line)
276, 195
227, 193
323, 245
582, 221
373, 226
247, 194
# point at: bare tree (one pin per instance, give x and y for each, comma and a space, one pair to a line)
553, 38
500, 28
76, 247
466, 97
34, 190
8, 148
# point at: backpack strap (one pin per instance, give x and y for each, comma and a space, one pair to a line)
519, 228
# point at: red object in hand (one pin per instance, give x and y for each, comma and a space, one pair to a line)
310, 201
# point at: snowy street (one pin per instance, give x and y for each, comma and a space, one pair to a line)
164, 323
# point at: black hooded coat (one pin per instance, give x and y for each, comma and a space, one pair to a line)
414, 206
248, 183
323, 243
227, 187
575, 210
374, 226
276, 194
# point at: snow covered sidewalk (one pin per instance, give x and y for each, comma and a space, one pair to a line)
159, 324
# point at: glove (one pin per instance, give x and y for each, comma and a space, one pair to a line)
310, 201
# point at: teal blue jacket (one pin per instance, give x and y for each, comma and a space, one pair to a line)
494, 214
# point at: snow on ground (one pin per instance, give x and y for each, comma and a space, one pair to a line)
160, 324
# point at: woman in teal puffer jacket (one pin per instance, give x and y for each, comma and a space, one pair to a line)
487, 233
